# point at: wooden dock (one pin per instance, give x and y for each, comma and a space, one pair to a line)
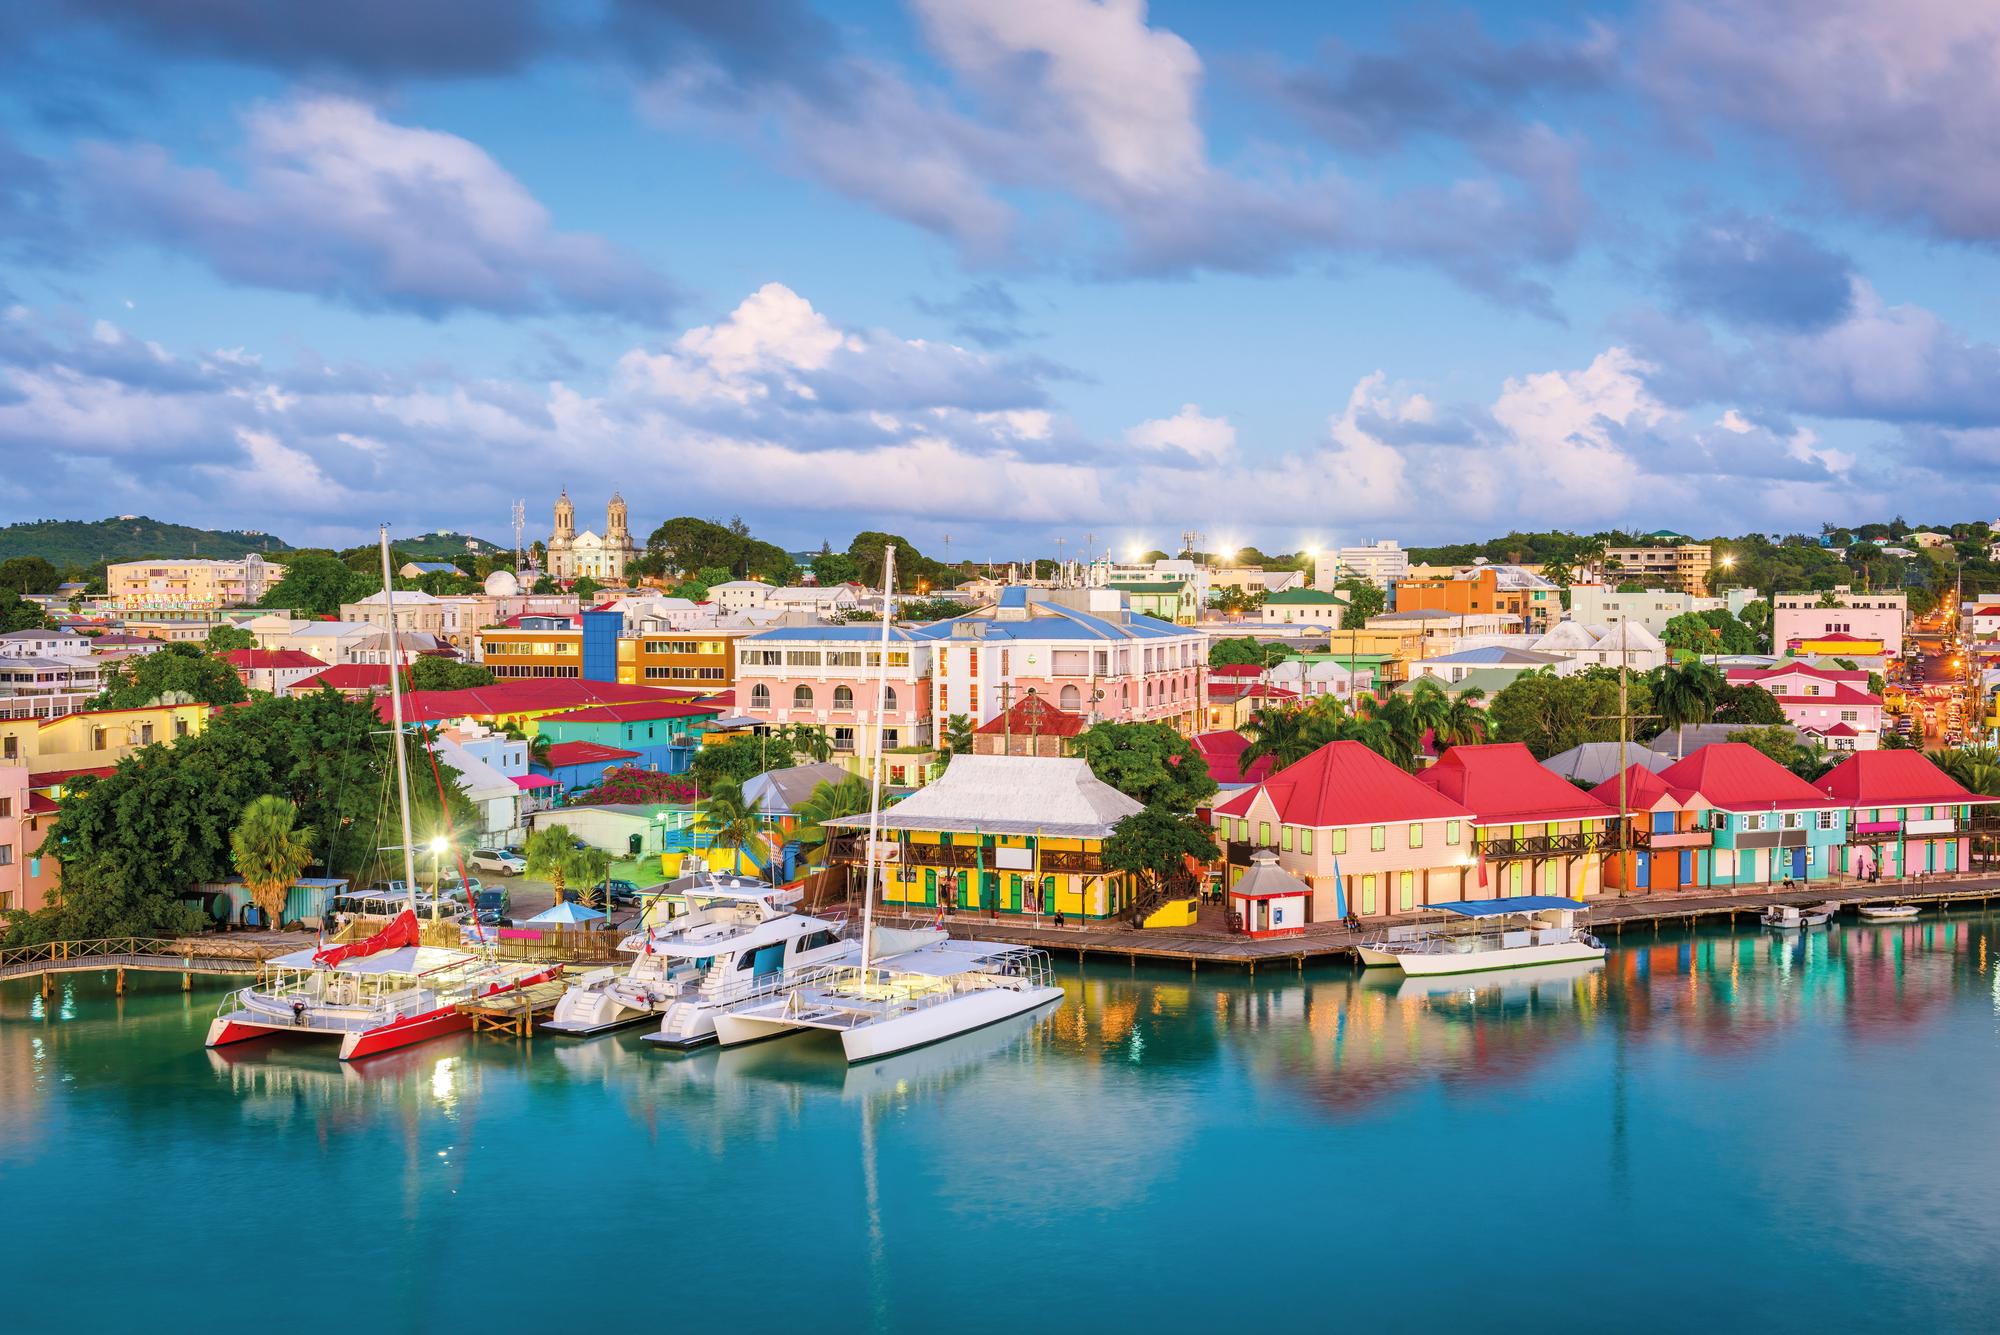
515, 1013
1332, 943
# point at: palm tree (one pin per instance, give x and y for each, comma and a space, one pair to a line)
810, 741
958, 734
1391, 727
1428, 706
538, 751
1686, 694
828, 801
1464, 722
1557, 571
1280, 732
729, 820
1976, 768
270, 848
553, 856
1588, 553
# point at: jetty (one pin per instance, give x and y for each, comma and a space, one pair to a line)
515, 1013
186, 956
1331, 942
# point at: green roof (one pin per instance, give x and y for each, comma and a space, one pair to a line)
1173, 586
1347, 660
1297, 596
1491, 680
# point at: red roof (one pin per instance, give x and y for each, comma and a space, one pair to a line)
1736, 776
585, 753
51, 778
533, 781
1229, 690
634, 713
1837, 730
1795, 669
1344, 783
1892, 779
1840, 637
41, 804
271, 658
1644, 790
1224, 753
1503, 782
532, 696
1990, 610
1034, 716
348, 677
1236, 670
1842, 694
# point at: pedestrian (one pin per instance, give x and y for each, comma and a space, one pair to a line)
1059, 915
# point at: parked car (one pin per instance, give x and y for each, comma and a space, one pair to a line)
491, 905
503, 860
622, 891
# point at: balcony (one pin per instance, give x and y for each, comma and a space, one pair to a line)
1561, 845
1681, 839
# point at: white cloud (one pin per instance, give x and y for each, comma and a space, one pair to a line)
1204, 440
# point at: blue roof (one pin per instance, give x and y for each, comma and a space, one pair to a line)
1499, 908
864, 630
1056, 622
1014, 595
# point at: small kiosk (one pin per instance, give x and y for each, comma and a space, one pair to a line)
1268, 900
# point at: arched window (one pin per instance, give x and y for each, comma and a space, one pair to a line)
843, 698
889, 700
802, 698
1071, 699
760, 696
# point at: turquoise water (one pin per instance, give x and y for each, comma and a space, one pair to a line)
1729, 1131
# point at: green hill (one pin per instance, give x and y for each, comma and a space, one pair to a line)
444, 546
82, 542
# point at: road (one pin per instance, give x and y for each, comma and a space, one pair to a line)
1934, 677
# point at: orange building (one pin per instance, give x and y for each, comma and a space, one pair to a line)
1505, 590
696, 659
516, 654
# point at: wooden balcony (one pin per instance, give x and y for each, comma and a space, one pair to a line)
1665, 839
1575, 844
852, 849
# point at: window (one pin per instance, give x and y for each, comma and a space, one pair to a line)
1071, 700
1305, 841
1285, 838
1264, 832
1416, 835
1826, 820
1336, 841
843, 698
760, 696
843, 658
1791, 820
6, 806
6, 855
802, 698
889, 700
1451, 832
1378, 838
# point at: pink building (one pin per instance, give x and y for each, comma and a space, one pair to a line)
1083, 650
1832, 705
824, 676
13, 838
1798, 618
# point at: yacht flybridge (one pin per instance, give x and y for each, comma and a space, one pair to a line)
1481, 934
388, 990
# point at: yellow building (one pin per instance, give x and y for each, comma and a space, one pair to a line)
101, 737
515, 654
1015, 835
176, 585
695, 659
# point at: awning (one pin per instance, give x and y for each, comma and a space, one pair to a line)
534, 781
1500, 908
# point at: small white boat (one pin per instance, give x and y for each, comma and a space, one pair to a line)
1890, 912
1792, 917
1482, 934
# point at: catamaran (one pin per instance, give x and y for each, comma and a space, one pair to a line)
388, 990
695, 938
1481, 934
913, 992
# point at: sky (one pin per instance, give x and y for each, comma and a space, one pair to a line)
995, 273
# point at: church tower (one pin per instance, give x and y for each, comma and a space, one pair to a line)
614, 521
561, 560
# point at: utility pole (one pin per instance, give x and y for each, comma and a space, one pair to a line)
1061, 580
1625, 718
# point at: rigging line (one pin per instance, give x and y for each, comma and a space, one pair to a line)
429, 736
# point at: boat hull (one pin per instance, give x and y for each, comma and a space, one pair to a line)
1372, 958
1889, 913
934, 1024
1486, 961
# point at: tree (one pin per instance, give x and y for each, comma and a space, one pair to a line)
1550, 714
436, 672
737, 760
545, 585
1285, 733
689, 544
1689, 633
1148, 762
933, 609
583, 586
1236, 602
18, 613
552, 856
1686, 694
1394, 728
830, 568
957, 736
1464, 722
1750, 706
315, 584
1156, 842
225, 639
29, 574
1782, 745
828, 801
728, 819
1364, 600
1245, 650
181, 670
1975, 768
270, 850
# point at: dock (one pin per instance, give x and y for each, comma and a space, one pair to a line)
517, 1012
186, 956
1326, 943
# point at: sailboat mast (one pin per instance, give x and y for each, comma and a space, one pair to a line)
396, 715
875, 767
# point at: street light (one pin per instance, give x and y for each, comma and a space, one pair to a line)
438, 846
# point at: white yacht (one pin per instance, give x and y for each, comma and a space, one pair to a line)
1481, 934
721, 965
935, 992
714, 908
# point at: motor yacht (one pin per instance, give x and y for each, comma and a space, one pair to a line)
1479, 934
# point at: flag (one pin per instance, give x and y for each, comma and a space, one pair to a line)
649, 940
1339, 892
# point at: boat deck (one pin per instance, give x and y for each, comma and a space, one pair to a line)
516, 1012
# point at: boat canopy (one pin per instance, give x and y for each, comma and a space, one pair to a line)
397, 960
948, 959
1501, 908
703, 944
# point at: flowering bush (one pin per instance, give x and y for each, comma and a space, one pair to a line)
638, 787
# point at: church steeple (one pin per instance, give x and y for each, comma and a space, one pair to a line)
615, 521
565, 516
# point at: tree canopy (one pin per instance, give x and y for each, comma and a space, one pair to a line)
1245, 651
223, 639
181, 670
1364, 600
1153, 844
686, 544
1550, 714
1149, 763
315, 584
435, 672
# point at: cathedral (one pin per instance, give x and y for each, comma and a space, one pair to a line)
573, 555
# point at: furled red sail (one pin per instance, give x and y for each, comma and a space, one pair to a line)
401, 931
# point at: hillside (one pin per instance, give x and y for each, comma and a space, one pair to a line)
81, 542
444, 546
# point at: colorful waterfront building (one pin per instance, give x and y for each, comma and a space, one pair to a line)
575, 765
1667, 847
1768, 824
1535, 834
1365, 836
1008, 835
1907, 817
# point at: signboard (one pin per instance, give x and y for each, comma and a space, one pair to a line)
887, 850
1014, 859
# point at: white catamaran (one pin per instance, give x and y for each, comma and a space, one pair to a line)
388, 990
894, 1000
1481, 934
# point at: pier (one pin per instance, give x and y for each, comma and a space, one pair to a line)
517, 1012
186, 956
1323, 943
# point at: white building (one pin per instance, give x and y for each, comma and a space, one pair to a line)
1603, 605
574, 555
1380, 563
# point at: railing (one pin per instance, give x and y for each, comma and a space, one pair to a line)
195, 954
1563, 845
853, 851
1681, 839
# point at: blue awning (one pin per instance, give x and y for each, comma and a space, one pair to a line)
1500, 908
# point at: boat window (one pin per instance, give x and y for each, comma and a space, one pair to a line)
814, 941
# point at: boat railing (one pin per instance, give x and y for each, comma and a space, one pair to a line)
770, 984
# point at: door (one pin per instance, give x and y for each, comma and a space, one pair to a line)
1368, 894
1799, 864
989, 890
1687, 866
930, 885
1642, 871
1406, 891
1930, 855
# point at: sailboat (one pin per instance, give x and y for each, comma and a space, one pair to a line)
922, 993
388, 990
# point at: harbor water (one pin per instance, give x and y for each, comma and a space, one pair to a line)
1723, 1130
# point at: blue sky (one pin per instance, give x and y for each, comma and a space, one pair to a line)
1004, 269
